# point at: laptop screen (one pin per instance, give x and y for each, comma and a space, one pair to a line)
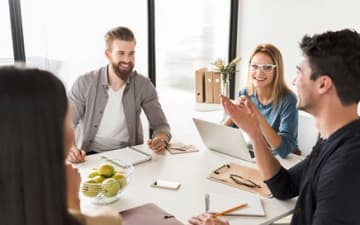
224, 139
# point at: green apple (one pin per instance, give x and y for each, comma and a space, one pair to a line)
98, 179
93, 173
121, 178
90, 188
110, 187
106, 170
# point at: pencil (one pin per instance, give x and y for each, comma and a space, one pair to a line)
221, 213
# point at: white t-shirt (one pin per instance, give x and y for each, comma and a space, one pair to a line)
113, 131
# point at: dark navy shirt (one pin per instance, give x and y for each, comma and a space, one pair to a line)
327, 182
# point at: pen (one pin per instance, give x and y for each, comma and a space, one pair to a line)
207, 202
230, 210
138, 150
112, 161
179, 149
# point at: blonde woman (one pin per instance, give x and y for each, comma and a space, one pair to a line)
274, 102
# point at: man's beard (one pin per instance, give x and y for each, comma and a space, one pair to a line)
122, 74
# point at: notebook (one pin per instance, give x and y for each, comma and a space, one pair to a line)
223, 139
219, 202
133, 155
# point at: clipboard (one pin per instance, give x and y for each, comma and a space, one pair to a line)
242, 177
149, 214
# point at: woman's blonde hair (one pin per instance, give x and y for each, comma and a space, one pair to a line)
280, 89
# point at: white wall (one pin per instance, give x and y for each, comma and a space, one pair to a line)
284, 22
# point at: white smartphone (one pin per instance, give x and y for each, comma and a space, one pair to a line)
173, 185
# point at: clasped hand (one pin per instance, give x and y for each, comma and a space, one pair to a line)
157, 144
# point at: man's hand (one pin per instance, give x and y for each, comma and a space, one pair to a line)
206, 219
242, 115
244, 100
76, 155
240, 102
159, 143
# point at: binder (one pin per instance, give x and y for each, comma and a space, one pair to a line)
149, 214
200, 84
242, 177
216, 87
209, 97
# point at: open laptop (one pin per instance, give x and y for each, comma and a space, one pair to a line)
223, 139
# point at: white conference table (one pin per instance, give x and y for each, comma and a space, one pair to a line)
191, 170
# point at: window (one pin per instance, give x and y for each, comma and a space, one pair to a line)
6, 49
189, 35
66, 37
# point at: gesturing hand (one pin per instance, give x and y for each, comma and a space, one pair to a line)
242, 115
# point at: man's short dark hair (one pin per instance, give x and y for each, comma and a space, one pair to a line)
118, 33
336, 54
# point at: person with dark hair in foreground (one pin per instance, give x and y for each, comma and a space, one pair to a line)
37, 187
326, 182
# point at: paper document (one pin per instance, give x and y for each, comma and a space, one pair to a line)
220, 202
179, 148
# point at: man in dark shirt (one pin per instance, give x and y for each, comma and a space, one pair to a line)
327, 182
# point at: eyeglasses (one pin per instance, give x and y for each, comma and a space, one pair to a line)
243, 181
265, 68
217, 171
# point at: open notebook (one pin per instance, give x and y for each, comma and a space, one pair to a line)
119, 157
219, 202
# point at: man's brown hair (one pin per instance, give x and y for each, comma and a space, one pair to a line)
119, 33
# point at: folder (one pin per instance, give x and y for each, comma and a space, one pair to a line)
242, 177
209, 96
149, 214
200, 84
216, 87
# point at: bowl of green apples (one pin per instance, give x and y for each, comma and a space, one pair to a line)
104, 184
